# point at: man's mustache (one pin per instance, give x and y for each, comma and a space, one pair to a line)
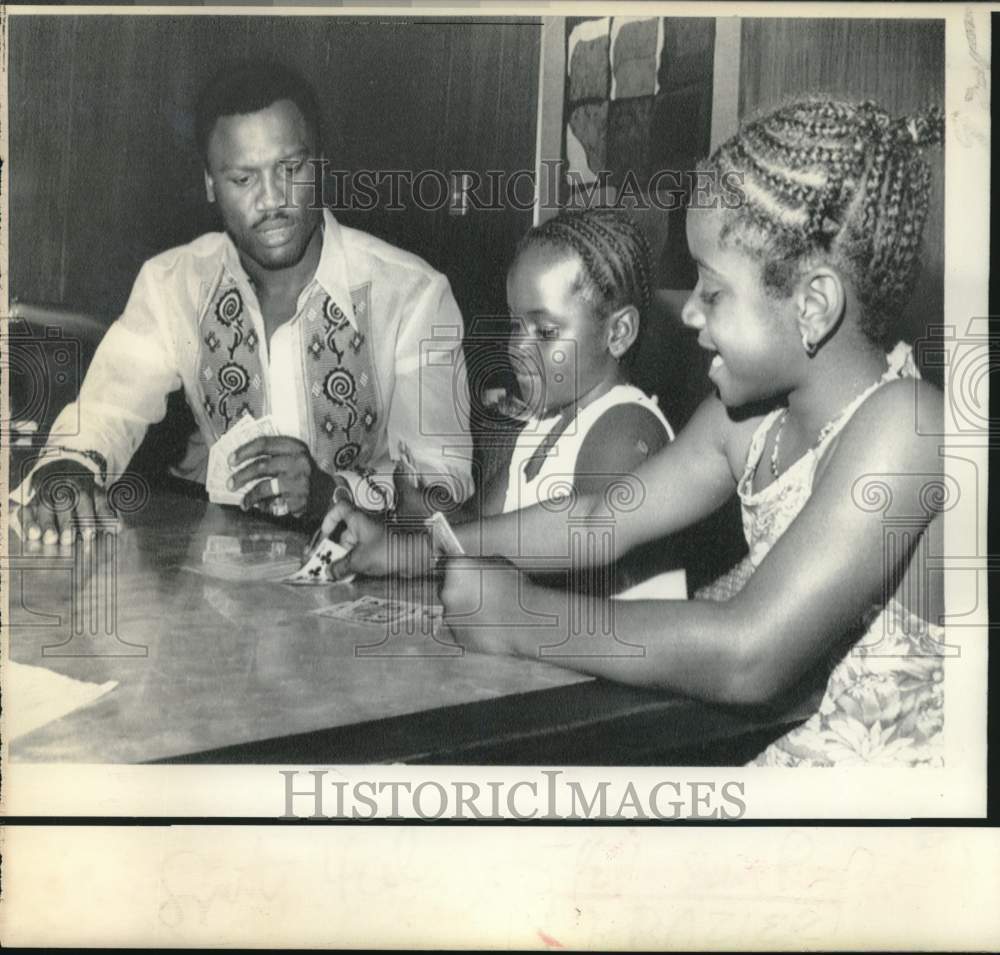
280, 217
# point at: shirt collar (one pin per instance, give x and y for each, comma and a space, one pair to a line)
331, 272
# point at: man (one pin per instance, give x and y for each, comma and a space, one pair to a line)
286, 313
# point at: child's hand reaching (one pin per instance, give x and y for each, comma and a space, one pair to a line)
376, 548
362, 535
411, 492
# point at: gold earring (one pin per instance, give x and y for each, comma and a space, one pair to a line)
810, 347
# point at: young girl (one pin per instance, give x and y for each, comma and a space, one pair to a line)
577, 291
799, 286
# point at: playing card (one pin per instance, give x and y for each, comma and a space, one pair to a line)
255, 557
218, 463
406, 462
316, 569
219, 469
374, 611
443, 536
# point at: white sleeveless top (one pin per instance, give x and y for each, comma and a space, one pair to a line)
883, 701
555, 478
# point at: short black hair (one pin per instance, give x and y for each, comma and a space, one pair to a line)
247, 87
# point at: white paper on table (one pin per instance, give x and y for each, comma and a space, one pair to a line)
35, 696
670, 585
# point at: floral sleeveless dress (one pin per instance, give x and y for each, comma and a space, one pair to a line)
882, 703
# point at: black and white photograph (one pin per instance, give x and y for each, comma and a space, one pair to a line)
496, 415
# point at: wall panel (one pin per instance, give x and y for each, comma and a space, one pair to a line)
105, 172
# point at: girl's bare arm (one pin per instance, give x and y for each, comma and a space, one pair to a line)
687, 480
820, 577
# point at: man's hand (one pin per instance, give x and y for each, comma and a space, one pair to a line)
66, 501
290, 473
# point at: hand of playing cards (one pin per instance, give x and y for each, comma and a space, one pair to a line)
219, 470
445, 541
316, 569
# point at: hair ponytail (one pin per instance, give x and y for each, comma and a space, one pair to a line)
841, 180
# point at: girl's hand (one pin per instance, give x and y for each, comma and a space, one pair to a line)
376, 548
364, 536
415, 498
483, 604
411, 499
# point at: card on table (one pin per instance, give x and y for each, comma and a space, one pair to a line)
257, 557
247, 566
377, 611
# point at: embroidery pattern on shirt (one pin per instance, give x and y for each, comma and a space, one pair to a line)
230, 376
344, 399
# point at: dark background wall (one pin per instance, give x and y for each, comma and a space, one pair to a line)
105, 173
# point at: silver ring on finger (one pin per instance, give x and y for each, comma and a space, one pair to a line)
279, 506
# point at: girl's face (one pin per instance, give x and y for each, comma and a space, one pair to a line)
753, 336
558, 346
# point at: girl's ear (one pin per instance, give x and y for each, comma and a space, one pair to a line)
209, 187
623, 328
821, 301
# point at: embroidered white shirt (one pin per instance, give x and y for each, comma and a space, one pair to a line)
154, 346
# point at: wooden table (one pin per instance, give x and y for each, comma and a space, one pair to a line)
222, 672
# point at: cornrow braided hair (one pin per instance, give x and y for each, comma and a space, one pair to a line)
843, 181
616, 258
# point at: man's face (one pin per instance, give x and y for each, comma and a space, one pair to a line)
253, 159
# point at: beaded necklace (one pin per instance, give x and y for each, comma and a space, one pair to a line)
824, 432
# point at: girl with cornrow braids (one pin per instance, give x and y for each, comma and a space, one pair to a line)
577, 292
812, 425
